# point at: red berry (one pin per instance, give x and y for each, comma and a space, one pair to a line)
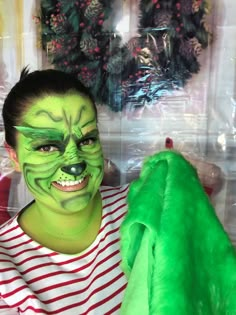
178, 5
97, 49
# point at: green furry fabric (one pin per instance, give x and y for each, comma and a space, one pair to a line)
175, 252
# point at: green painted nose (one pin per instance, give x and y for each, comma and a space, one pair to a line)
74, 169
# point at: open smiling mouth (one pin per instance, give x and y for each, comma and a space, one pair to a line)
71, 185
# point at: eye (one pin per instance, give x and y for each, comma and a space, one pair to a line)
47, 148
87, 141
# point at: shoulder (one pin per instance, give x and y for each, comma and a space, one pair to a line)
114, 193
10, 235
9, 239
114, 199
8, 228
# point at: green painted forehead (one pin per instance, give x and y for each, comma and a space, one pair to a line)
54, 118
55, 106
57, 110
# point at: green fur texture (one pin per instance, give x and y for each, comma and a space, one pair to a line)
177, 257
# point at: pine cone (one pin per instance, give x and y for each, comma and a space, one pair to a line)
196, 46
93, 10
186, 49
162, 18
87, 45
186, 6
190, 48
133, 43
58, 23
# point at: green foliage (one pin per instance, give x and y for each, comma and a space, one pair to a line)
74, 21
48, 5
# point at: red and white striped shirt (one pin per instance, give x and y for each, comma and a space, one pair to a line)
37, 280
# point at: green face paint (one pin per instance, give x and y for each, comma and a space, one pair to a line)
59, 152
32, 133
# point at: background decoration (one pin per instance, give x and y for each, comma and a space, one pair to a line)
80, 38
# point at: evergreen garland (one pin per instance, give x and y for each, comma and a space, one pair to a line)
172, 34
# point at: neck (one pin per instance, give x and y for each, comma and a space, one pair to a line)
39, 222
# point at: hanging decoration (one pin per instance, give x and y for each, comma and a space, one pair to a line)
79, 38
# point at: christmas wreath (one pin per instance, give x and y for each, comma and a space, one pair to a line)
164, 55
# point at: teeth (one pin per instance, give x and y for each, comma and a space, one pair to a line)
70, 182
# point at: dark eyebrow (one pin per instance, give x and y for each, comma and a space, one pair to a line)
89, 122
40, 133
92, 133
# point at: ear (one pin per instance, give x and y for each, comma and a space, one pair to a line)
13, 156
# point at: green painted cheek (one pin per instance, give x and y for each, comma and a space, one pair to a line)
38, 177
96, 163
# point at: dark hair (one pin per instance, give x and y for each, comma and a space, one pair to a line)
32, 86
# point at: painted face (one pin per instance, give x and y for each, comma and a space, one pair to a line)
59, 152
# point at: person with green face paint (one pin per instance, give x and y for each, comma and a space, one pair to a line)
60, 254
152, 247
